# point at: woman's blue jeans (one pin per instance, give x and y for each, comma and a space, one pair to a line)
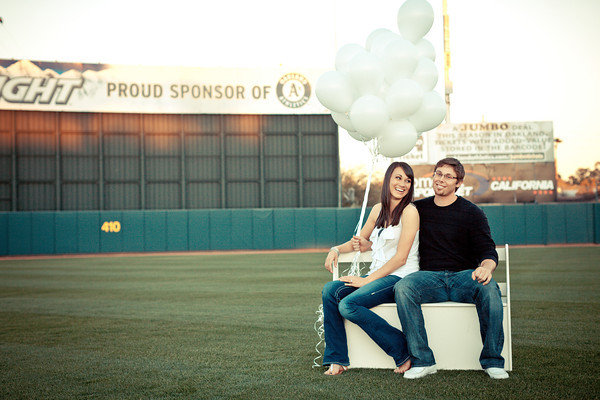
437, 286
341, 301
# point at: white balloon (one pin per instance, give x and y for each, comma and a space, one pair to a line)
425, 49
368, 115
431, 113
415, 18
358, 136
403, 98
399, 60
343, 120
381, 41
366, 73
383, 90
396, 139
345, 54
426, 74
335, 91
373, 35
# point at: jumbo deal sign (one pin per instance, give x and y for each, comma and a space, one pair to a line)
486, 142
505, 162
51, 86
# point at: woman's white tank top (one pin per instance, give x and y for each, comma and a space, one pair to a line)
385, 245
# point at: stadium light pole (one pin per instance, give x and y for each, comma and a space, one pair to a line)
557, 141
448, 83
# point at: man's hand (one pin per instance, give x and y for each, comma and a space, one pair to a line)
482, 275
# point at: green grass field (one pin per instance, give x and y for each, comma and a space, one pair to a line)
240, 326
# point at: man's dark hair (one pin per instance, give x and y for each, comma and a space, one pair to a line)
455, 164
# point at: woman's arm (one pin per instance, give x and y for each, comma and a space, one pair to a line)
357, 242
410, 227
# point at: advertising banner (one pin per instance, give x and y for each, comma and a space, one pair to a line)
486, 142
505, 162
497, 183
491, 142
50, 86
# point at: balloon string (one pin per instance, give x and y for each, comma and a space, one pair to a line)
366, 198
355, 265
319, 328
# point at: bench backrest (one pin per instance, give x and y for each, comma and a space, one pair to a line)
503, 256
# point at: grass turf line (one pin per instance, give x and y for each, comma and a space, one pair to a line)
240, 327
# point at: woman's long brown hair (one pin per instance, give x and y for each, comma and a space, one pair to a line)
388, 217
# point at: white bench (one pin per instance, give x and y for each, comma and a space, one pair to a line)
452, 329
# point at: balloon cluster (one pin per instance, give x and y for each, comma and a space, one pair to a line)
384, 91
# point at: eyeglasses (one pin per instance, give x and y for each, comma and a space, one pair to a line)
447, 177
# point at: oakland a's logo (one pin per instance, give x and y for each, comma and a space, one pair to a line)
293, 90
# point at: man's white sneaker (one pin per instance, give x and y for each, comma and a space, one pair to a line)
496, 373
419, 372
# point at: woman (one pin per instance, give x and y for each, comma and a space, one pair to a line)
392, 228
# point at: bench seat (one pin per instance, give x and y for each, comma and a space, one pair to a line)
452, 330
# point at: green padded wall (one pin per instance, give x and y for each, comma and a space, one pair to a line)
64, 232
596, 223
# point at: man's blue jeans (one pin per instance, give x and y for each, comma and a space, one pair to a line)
437, 286
341, 301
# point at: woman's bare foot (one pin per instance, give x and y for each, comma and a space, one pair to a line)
335, 369
403, 368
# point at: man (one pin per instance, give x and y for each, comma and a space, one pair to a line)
457, 259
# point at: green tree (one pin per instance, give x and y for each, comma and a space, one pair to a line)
354, 183
586, 174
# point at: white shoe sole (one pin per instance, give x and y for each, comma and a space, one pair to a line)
498, 375
425, 372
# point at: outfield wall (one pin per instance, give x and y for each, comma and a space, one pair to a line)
24, 233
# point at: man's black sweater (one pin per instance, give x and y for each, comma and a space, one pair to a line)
454, 238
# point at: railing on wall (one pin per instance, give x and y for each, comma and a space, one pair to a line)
67, 232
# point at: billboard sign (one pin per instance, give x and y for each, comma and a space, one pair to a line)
53, 86
505, 162
497, 183
491, 142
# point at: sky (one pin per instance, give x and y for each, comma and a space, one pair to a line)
511, 60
